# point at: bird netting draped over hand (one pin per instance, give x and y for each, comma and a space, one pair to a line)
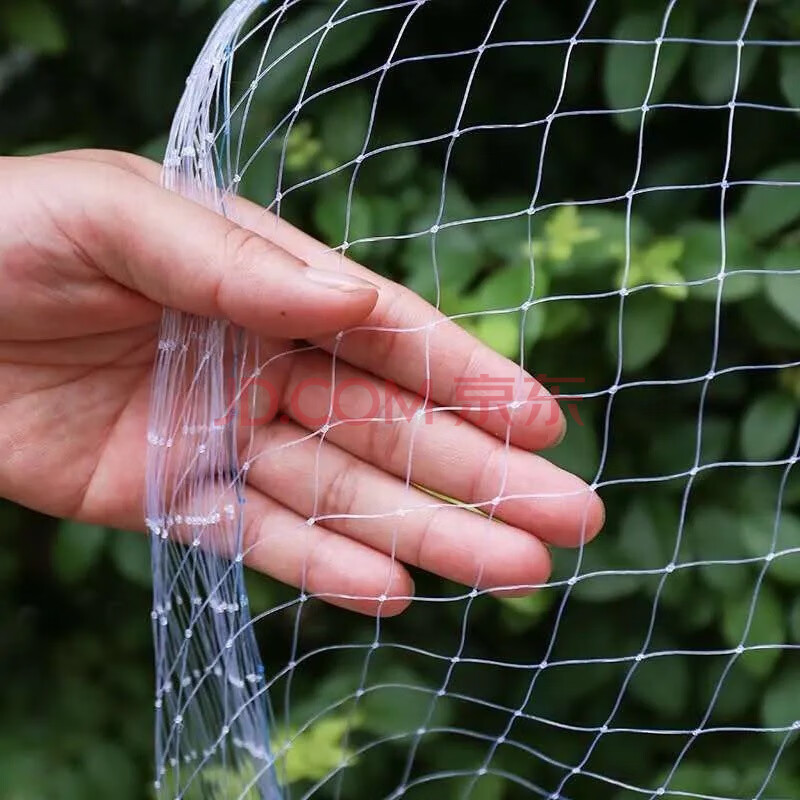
639, 256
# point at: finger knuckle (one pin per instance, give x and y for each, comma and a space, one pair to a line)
242, 251
242, 248
385, 441
341, 494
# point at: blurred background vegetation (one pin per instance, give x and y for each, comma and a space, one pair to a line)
75, 659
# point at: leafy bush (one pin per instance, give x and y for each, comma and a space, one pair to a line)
77, 697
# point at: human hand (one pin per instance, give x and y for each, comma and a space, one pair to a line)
92, 248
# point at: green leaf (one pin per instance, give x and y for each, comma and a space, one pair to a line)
794, 622
290, 60
781, 705
110, 770
458, 260
217, 782
488, 787
681, 584
522, 613
578, 452
713, 779
783, 290
536, 322
500, 332
387, 221
675, 166
656, 264
260, 596
315, 752
507, 287
790, 75
758, 490
639, 540
697, 608
504, 238
714, 66
564, 318
674, 444
302, 148
662, 684
260, 178
34, 24
130, 553
714, 534
769, 207
768, 426
564, 232
702, 261
344, 129
758, 530
647, 322
766, 327
460, 754
783, 782
76, 549
766, 628
337, 223
346, 40
395, 707
397, 166
601, 556
583, 639
614, 228
628, 67
789, 381
738, 692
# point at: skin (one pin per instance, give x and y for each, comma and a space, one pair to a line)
92, 249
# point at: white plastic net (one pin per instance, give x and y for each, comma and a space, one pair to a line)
660, 659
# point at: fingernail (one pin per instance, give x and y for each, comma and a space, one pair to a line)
339, 280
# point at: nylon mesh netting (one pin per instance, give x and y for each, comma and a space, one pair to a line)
536, 175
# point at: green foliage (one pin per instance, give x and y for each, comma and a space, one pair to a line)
130, 554
220, 783
76, 706
76, 550
306, 755
768, 207
72, 726
768, 426
702, 262
635, 72
765, 533
314, 753
781, 705
646, 323
781, 289
790, 76
714, 66
34, 24
757, 623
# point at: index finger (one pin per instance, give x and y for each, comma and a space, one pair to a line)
406, 340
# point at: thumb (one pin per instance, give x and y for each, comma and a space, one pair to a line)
182, 255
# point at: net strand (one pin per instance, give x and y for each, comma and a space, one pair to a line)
213, 708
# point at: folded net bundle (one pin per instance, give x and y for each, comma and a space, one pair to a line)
536, 174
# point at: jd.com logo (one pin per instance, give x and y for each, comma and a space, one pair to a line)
361, 401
